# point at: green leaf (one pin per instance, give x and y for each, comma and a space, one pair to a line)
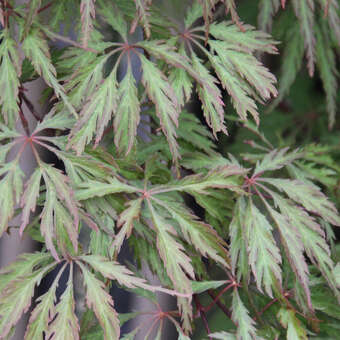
201, 235
276, 159
86, 77
326, 62
236, 87
223, 177
194, 12
182, 85
211, 98
223, 336
16, 298
293, 245
162, 94
65, 323
336, 273
198, 161
92, 188
177, 263
247, 40
313, 239
240, 315
295, 330
191, 131
10, 71
43, 312
21, 267
29, 198
100, 301
125, 222
254, 72
58, 194
11, 187
8, 133
291, 63
332, 9
309, 196
88, 13
95, 115
34, 6
231, 8
115, 18
202, 286
238, 247
142, 15
114, 271
53, 120
267, 10
36, 49
264, 255
304, 10
127, 116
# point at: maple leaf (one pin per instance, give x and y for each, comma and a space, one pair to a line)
11, 187
142, 8
312, 237
182, 85
295, 330
291, 63
34, 6
21, 267
224, 177
42, 313
238, 248
178, 264
268, 8
93, 188
95, 115
65, 323
36, 49
29, 198
127, 115
264, 255
16, 298
245, 324
326, 62
115, 18
304, 10
247, 40
10, 71
125, 222
276, 159
201, 235
58, 194
88, 13
309, 196
163, 96
100, 301
211, 98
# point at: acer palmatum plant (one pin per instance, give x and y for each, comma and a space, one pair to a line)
240, 227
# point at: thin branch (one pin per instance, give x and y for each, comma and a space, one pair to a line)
23, 119
202, 314
45, 7
232, 284
224, 308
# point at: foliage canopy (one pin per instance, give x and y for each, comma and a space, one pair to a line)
248, 224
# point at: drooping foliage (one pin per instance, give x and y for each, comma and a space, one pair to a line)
230, 199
